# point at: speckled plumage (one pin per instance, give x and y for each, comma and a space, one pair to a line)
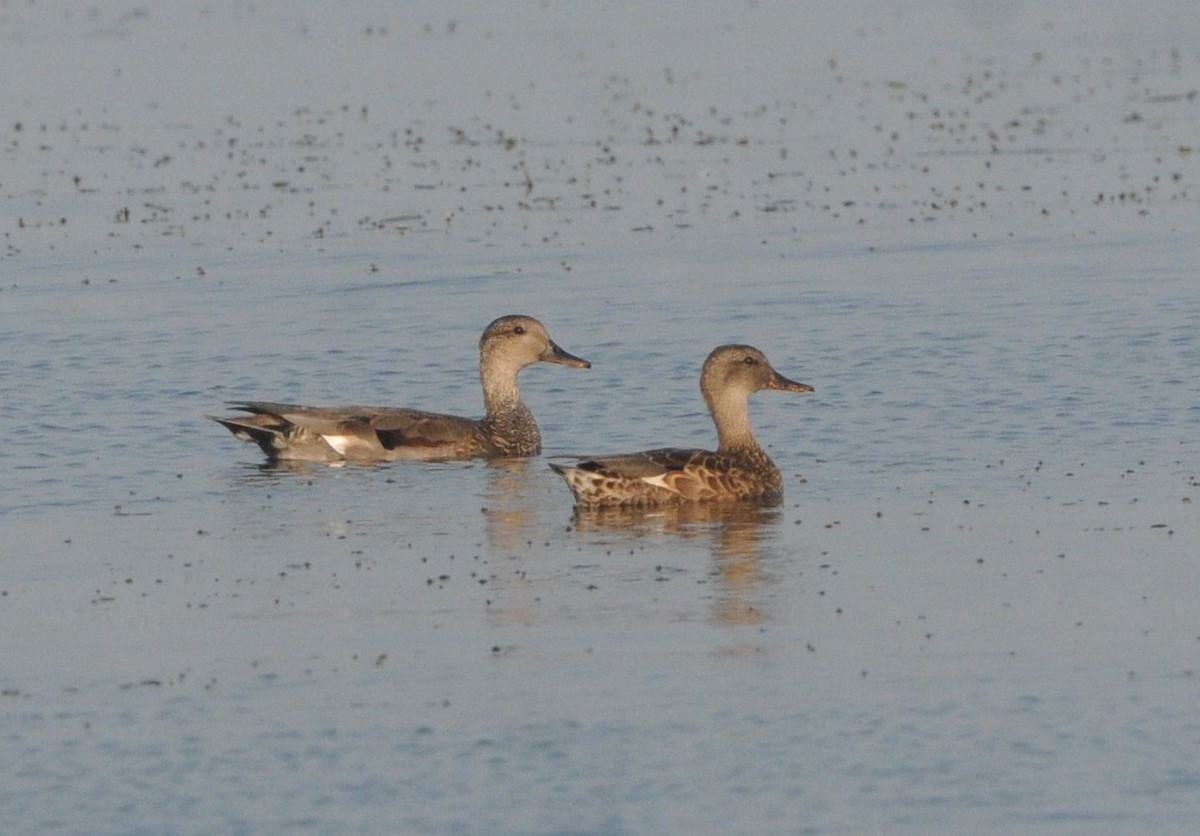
739, 469
363, 434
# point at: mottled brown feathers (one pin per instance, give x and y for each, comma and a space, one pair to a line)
738, 471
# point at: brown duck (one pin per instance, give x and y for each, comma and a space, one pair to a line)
739, 469
363, 434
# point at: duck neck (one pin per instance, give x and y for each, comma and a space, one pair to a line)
500, 392
509, 423
731, 414
502, 398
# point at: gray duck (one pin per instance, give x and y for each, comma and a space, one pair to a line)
364, 434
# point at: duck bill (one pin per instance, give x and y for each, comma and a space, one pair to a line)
784, 384
555, 354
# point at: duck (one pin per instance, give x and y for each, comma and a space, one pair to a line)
369, 434
739, 470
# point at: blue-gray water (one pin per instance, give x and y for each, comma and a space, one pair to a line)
971, 228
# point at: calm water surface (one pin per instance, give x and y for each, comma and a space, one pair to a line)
975, 609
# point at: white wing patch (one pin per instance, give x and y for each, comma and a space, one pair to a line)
659, 481
340, 443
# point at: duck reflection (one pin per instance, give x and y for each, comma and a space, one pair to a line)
533, 553
738, 535
277, 468
510, 507
518, 525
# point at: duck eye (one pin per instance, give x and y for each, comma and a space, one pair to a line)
750, 361
520, 329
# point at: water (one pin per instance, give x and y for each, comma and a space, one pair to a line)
971, 229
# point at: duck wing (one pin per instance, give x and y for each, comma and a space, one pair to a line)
647, 464
667, 475
373, 432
